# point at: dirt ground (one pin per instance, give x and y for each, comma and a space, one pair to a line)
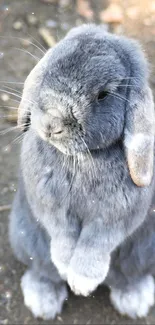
14, 67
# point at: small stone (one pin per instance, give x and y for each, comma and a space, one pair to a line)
32, 20
18, 25
59, 318
8, 295
5, 97
113, 14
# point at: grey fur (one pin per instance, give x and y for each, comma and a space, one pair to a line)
77, 203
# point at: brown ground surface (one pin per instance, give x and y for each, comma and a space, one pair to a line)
138, 21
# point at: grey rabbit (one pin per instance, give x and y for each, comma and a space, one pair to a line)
86, 182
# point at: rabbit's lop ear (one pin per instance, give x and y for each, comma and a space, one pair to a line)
139, 136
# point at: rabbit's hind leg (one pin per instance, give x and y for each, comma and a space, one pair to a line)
28, 238
42, 296
43, 289
134, 300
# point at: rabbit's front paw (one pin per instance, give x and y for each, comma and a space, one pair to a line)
61, 253
85, 279
61, 262
61, 266
80, 284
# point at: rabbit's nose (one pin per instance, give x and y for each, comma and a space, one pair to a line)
55, 128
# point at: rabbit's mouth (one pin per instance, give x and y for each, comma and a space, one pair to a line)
71, 145
65, 138
68, 146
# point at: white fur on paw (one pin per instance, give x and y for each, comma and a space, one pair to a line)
82, 285
135, 301
44, 299
61, 267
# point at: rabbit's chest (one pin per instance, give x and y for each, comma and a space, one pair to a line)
100, 188
86, 187
92, 179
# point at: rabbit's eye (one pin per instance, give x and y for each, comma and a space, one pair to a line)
102, 95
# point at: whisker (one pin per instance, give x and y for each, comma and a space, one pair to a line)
129, 86
27, 52
17, 140
64, 167
90, 158
12, 82
38, 43
15, 100
22, 39
10, 93
16, 95
127, 78
14, 128
73, 173
115, 95
5, 116
101, 135
10, 107
17, 91
72, 179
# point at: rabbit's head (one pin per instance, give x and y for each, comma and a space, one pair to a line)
90, 91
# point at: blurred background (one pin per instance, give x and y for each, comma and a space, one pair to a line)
27, 29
